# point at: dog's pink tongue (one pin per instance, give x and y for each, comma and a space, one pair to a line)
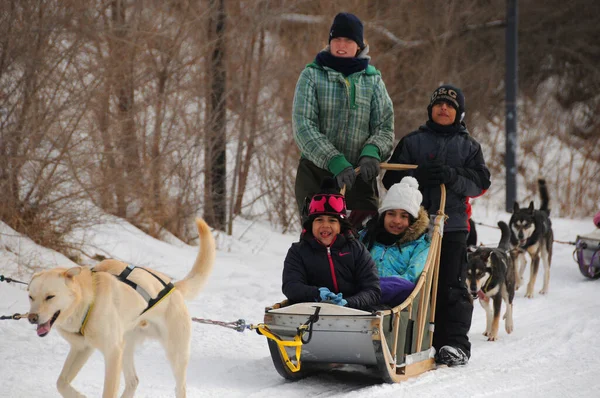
482, 296
43, 329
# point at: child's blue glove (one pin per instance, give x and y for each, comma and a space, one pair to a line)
324, 293
338, 300
329, 297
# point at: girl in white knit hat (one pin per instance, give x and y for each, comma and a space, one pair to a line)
398, 240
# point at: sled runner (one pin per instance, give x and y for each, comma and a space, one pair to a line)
587, 254
306, 338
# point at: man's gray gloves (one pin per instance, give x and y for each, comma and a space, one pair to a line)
369, 168
346, 177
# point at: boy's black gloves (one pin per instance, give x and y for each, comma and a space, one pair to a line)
428, 174
435, 173
444, 173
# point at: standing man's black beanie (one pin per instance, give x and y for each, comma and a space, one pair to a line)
347, 25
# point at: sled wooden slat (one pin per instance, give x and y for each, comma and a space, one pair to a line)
397, 166
417, 368
397, 342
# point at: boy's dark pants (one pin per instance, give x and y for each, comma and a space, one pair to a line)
454, 306
362, 199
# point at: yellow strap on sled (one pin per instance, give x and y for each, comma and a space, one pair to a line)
281, 344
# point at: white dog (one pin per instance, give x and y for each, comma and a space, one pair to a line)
114, 307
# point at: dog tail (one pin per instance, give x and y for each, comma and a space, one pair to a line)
544, 195
191, 285
505, 238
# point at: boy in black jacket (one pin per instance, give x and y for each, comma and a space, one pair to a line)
329, 264
446, 153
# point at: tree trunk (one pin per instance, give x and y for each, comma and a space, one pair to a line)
215, 155
108, 168
247, 66
127, 142
156, 161
245, 167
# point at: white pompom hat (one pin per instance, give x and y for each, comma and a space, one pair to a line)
404, 195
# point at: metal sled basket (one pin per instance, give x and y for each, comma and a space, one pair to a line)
587, 254
312, 337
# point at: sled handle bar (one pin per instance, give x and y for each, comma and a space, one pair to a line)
384, 166
400, 166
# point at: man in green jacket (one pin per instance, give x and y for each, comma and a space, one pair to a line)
342, 118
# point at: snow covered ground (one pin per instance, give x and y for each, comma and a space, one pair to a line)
553, 351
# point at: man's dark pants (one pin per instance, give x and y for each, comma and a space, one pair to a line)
362, 199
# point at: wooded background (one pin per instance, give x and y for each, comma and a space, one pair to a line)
157, 111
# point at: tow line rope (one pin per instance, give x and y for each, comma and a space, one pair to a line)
307, 327
239, 325
564, 242
15, 317
8, 280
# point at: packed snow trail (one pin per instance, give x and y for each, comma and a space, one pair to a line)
553, 351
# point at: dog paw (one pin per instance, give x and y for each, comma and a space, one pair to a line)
492, 338
71, 393
486, 333
529, 295
543, 291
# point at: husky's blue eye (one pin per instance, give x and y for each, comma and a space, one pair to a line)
50, 297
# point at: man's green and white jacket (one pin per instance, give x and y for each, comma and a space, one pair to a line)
338, 119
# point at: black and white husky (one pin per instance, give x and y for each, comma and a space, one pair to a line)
531, 232
491, 275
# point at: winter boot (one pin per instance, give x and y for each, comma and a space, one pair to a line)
451, 356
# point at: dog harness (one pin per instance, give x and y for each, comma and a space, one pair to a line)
87, 313
167, 287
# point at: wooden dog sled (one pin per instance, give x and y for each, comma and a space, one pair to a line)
307, 338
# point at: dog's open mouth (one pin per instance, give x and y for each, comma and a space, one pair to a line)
480, 295
44, 328
522, 242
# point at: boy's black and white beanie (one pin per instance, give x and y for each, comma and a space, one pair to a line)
452, 96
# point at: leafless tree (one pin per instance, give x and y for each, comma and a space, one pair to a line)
215, 160
136, 106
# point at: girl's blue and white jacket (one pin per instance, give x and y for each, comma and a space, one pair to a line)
406, 258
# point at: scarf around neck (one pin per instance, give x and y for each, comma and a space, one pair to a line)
345, 66
438, 128
385, 238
